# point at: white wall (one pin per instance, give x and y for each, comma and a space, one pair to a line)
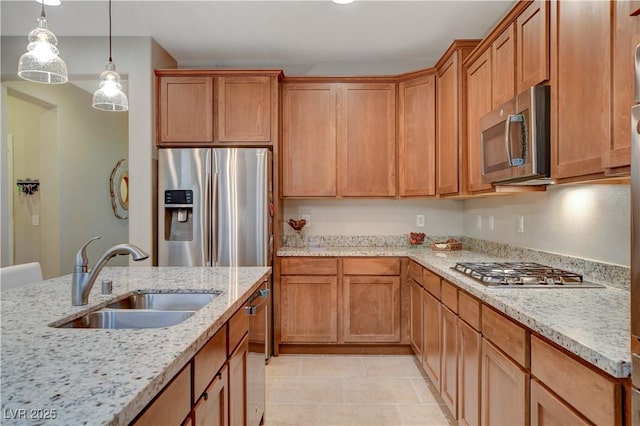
588, 221
73, 148
135, 58
376, 217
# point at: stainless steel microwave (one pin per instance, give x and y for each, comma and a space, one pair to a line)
515, 140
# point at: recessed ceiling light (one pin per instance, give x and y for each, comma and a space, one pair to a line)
343, 1
50, 2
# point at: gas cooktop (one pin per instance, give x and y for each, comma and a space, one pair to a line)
521, 274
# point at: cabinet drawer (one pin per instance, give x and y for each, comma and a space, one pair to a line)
209, 360
371, 266
469, 310
450, 296
173, 405
431, 283
511, 338
415, 272
308, 266
238, 327
592, 394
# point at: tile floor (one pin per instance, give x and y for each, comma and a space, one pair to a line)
342, 390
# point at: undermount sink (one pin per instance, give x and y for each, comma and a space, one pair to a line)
128, 319
164, 301
143, 310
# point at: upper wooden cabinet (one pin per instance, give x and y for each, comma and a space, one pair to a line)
309, 140
503, 51
339, 139
210, 107
185, 110
532, 40
581, 90
478, 104
451, 103
243, 109
417, 136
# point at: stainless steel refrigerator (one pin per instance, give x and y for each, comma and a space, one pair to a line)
635, 245
214, 207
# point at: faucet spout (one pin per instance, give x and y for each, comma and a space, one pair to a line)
83, 279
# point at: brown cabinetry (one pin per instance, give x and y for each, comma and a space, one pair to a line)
449, 373
431, 340
532, 53
450, 122
469, 350
547, 409
309, 145
172, 405
211, 409
504, 66
505, 389
417, 137
210, 107
416, 317
238, 383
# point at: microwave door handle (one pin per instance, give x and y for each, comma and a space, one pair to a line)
507, 139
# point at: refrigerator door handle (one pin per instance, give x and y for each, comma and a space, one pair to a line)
207, 220
215, 219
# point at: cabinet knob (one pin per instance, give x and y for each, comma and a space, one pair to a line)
205, 396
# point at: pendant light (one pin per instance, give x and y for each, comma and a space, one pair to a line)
41, 63
110, 97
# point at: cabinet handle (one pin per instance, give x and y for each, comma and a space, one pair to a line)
205, 396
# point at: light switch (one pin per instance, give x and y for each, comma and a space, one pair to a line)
491, 224
420, 221
521, 224
35, 220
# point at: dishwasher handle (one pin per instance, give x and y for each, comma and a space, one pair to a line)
252, 308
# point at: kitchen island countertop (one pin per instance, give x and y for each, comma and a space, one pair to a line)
99, 376
592, 323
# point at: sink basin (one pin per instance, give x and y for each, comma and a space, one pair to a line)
164, 301
128, 319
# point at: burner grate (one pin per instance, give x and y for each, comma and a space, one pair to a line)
518, 274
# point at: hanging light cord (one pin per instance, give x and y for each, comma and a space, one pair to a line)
42, 13
110, 60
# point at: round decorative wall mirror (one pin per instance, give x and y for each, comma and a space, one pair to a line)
119, 188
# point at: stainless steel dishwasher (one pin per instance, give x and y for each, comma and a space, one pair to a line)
259, 336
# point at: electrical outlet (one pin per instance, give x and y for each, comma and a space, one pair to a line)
307, 217
478, 221
35, 220
420, 221
521, 224
491, 223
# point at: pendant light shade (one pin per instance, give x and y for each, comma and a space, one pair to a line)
110, 97
41, 63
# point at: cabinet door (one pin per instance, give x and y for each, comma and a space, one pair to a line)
367, 139
238, 384
309, 140
547, 409
532, 53
581, 96
212, 408
371, 309
449, 374
416, 317
243, 109
447, 129
478, 104
469, 346
505, 389
185, 110
504, 66
173, 404
431, 344
417, 137
626, 36
309, 309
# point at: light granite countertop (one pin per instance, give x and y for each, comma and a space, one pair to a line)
99, 376
592, 323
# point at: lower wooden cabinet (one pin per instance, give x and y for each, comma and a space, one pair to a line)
238, 384
469, 367
309, 309
505, 389
416, 317
371, 309
449, 360
173, 404
211, 409
431, 343
547, 409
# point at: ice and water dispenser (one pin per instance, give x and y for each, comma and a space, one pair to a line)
178, 215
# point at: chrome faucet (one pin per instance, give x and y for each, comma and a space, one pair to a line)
83, 280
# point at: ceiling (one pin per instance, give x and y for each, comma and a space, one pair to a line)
303, 37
